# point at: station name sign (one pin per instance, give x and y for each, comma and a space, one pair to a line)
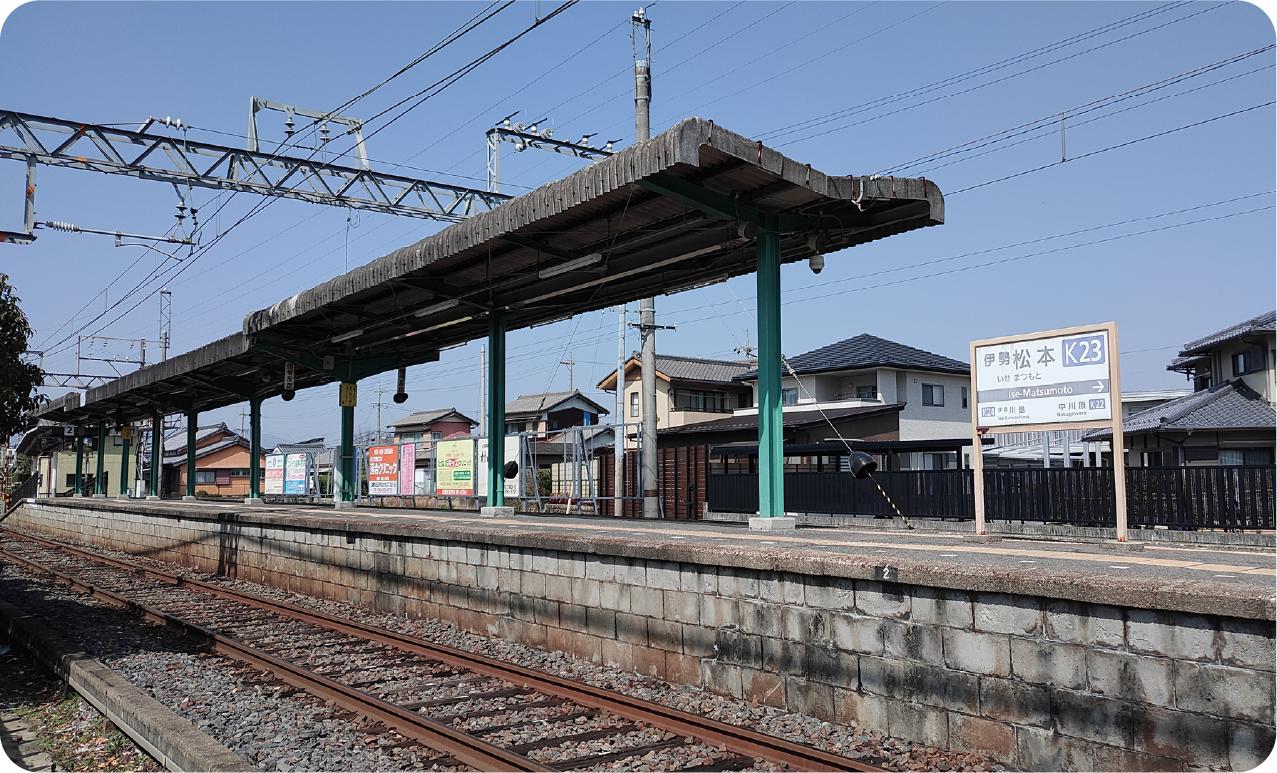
1050, 380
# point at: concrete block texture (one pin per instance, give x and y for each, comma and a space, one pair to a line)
906, 640
938, 606
920, 724
1130, 676
832, 593
811, 698
1238, 693
1247, 643
1010, 700
1004, 613
1195, 739
762, 686
995, 740
1045, 662
918, 683
860, 710
882, 599
1183, 637
980, 653
1249, 745
1093, 718
856, 633
1090, 624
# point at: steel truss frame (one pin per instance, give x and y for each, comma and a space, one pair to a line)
163, 158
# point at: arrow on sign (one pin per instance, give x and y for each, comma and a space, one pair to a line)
1099, 386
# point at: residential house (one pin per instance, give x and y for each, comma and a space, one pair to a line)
869, 389
439, 424
689, 390
1228, 419
222, 459
53, 455
551, 411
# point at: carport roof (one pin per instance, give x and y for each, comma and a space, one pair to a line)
660, 216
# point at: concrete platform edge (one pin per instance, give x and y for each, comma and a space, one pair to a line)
170, 739
1194, 597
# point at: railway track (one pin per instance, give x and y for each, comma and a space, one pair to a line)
473, 710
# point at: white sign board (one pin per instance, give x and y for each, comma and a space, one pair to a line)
1056, 380
511, 486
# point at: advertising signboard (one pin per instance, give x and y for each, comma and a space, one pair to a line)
296, 474
512, 486
407, 469
454, 468
274, 474
383, 471
1053, 380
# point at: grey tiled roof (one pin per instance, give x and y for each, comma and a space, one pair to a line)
226, 442
1230, 405
868, 351
789, 419
429, 417
1264, 323
700, 368
177, 441
526, 405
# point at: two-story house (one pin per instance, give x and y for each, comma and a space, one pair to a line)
222, 460
439, 424
1229, 418
910, 404
688, 390
551, 411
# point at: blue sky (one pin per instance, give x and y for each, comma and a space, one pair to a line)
1161, 219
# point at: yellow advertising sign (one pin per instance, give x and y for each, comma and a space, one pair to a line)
454, 468
349, 395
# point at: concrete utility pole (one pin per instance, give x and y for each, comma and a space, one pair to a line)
618, 420
641, 39
570, 363
379, 404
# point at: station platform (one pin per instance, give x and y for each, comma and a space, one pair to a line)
1044, 653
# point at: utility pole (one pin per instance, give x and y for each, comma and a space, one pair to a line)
641, 44
618, 463
378, 405
570, 363
483, 387
746, 350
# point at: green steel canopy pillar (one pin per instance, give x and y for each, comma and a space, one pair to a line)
255, 451
157, 443
346, 482
771, 462
192, 427
496, 409
126, 435
79, 464
99, 490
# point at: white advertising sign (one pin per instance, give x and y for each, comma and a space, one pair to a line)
512, 485
1054, 380
274, 474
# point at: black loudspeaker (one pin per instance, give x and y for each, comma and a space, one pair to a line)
862, 464
288, 394
511, 469
400, 397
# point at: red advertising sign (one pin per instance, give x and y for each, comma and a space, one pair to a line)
383, 471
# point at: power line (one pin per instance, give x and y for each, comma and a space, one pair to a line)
1114, 147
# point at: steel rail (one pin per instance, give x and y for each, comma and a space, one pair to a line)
736, 739
466, 748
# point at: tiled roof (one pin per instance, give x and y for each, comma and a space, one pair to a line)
1230, 405
227, 442
530, 405
298, 448
430, 417
790, 419
1264, 323
700, 368
177, 441
867, 351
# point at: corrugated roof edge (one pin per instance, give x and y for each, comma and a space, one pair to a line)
679, 144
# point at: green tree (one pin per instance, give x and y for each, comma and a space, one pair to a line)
18, 379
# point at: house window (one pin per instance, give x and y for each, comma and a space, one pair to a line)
699, 400
206, 476
867, 392
634, 402
933, 394
510, 429
1233, 457
436, 436
789, 396
240, 473
1248, 361
964, 397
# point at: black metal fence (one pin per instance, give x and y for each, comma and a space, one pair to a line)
1178, 497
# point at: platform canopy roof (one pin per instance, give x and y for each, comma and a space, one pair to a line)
670, 213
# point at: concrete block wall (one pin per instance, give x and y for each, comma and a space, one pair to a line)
1036, 682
